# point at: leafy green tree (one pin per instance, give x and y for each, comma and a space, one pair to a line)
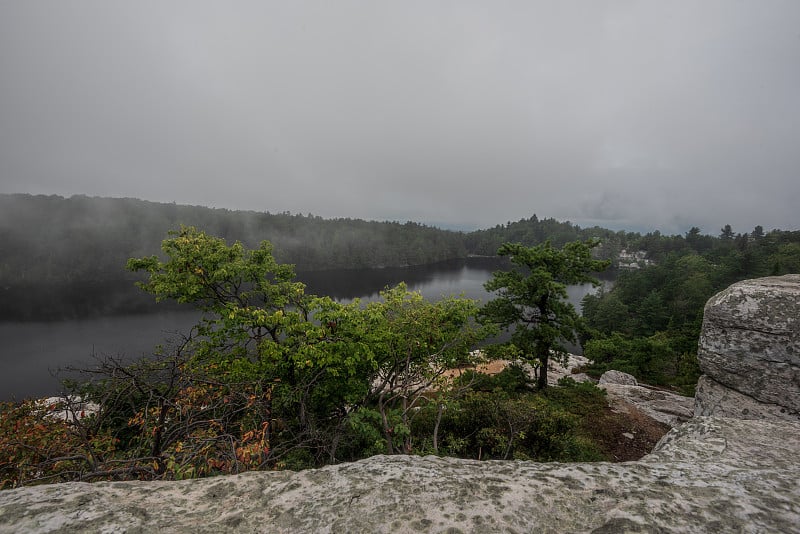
315, 360
532, 297
697, 241
649, 358
416, 342
652, 315
605, 311
303, 355
786, 259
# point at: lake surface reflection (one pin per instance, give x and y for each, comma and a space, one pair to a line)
31, 352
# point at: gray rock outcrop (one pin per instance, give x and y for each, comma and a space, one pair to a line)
617, 377
560, 368
665, 407
750, 351
711, 474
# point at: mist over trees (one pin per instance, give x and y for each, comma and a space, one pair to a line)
273, 377
64, 257
55, 238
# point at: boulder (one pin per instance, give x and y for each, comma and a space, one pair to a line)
750, 344
665, 407
580, 377
618, 377
709, 475
558, 368
712, 398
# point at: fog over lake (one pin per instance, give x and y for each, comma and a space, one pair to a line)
31, 352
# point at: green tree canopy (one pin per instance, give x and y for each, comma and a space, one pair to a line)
318, 361
532, 297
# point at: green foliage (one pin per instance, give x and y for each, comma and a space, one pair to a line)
512, 379
534, 231
416, 342
501, 424
366, 437
532, 297
607, 310
310, 357
650, 358
649, 323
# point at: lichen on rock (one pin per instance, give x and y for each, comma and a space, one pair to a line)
750, 350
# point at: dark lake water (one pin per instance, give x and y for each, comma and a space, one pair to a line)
31, 352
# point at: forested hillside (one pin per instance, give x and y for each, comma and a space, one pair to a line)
65, 257
55, 238
52, 239
649, 323
66, 240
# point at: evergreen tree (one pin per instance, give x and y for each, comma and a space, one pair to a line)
532, 297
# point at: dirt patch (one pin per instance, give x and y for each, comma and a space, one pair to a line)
624, 433
489, 368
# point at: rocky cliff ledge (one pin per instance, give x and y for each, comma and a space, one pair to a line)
750, 351
711, 474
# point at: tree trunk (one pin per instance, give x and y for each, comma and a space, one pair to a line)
541, 381
387, 432
436, 429
407, 440
267, 416
158, 431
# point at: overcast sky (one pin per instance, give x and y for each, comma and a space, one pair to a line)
626, 114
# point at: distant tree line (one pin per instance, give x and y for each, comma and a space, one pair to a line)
45, 238
64, 257
56, 239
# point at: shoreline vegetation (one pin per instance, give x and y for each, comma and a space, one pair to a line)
274, 377
63, 258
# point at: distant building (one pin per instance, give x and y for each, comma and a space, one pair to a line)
633, 260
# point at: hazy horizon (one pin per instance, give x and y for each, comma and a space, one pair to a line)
454, 228
633, 116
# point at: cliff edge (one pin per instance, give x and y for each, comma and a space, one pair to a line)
725, 470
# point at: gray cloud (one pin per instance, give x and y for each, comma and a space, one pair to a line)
624, 114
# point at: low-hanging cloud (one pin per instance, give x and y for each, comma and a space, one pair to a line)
636, 115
